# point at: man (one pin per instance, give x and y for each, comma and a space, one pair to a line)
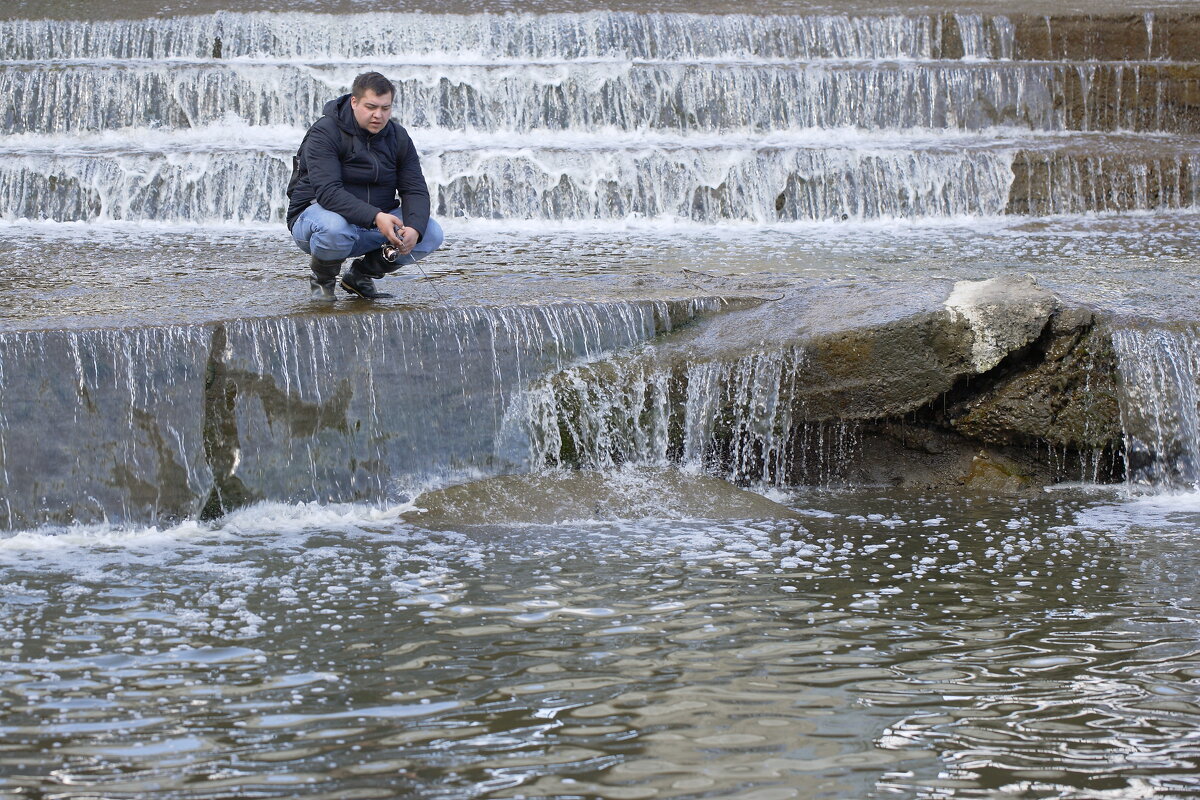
353, 164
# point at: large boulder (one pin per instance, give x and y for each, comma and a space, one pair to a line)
894, 368
1064, 393
981, 383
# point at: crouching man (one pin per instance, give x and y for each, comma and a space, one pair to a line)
357, 190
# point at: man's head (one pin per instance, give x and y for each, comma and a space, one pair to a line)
371, 100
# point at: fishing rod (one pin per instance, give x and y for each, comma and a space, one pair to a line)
390, 253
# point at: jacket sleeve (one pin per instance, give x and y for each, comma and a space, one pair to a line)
324, 164
410, 184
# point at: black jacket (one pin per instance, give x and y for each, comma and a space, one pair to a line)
357, 174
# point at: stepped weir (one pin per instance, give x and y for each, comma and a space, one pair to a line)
805, 403
174, 135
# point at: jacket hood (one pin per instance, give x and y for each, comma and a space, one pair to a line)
339, 108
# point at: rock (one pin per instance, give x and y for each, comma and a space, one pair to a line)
1004, 315
560, 496
911, 456
882, 371
894, 368
894, 395
1065, 394
990, 472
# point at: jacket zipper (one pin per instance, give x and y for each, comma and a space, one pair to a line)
374, 161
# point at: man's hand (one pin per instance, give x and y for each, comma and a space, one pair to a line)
392, 227
409, 237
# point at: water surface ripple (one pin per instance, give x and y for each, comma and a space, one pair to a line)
881, 646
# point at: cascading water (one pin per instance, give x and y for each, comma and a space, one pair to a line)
517, 37
738, 419
1160, 409
680, 98
328, 408
571, 118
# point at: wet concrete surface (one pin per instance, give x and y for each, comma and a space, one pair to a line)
78, 276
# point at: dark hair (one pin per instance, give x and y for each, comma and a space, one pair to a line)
371, 82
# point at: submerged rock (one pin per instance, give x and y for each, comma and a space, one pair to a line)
990, 472
568, 495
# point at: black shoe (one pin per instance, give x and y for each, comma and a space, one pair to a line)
356, 282
324, 278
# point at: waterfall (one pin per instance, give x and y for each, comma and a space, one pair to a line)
738, 418
758, 95
571, 118
161, 423
548, 122
1160, 405
89, 429
595, 34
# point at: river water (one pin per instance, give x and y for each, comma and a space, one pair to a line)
873, 646
418, 601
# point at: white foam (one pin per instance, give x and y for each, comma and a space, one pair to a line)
119, 230
286, 518
235, 134
154, 543
1164, 513
1185, 502
51, 540
1082, 227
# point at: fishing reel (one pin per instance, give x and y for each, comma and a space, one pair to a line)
391, 252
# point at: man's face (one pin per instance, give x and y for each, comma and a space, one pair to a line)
372, 111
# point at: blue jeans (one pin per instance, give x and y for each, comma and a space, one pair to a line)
328, 236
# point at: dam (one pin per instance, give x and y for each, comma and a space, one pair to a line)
804, 404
